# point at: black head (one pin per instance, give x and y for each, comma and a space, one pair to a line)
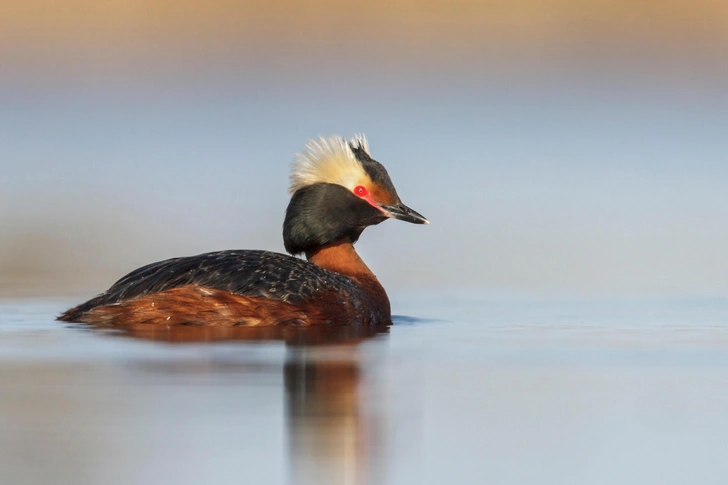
337, 191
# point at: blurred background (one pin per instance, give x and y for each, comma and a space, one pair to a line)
559, 147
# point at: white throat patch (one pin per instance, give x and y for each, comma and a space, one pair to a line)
328, 160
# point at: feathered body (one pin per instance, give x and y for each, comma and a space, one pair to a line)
337, 190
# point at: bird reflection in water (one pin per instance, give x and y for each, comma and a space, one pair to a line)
331, 429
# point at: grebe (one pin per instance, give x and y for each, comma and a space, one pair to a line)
337, 190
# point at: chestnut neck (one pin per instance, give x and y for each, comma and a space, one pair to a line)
340, 256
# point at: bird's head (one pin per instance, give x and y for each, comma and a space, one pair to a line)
337, 190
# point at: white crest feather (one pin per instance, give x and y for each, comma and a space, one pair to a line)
328, 160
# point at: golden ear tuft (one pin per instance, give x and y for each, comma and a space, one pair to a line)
328, 160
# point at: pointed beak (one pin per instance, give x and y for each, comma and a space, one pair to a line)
404, 213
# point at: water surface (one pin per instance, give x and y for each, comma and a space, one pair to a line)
459, 390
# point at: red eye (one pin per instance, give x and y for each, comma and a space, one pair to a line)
361, 191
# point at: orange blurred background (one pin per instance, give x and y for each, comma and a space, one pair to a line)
112, 38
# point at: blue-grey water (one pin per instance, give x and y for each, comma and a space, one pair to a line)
458, 390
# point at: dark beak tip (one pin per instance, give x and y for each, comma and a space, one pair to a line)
417, 218
404, 213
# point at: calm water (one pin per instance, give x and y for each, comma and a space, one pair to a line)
461, 390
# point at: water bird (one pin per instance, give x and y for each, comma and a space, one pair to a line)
337, 190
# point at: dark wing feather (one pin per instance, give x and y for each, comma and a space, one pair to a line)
245, 272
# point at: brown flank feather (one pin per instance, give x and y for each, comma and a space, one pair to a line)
195, 305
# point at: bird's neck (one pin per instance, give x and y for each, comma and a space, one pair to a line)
340, 256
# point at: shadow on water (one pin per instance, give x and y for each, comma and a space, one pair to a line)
292, 336
331, 430
407, 320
